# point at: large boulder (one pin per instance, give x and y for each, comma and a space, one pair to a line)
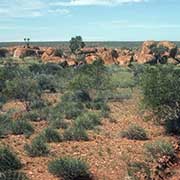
88, 51
22, 52
145, 54
106, 55
125, 57
124, 60
91, 58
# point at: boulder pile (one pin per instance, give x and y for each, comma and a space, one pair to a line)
147, 53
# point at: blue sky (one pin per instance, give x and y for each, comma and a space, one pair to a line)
94, 20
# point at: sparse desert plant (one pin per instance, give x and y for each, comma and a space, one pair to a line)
88, 120
51, 135
134, 132
13, 175
137, 170
38, 147
22, 127
8, 160
69, 168
75, 134
159, 148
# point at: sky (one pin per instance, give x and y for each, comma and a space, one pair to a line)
94, 20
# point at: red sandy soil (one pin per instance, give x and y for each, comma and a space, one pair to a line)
106, 152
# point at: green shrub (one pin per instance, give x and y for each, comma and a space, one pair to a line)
32, 116
5, 125
8, 160
38, 147
159, 148
36, 103
58, 52
55, 118
71, 109
51, 135
76, 96
13, 175
98, 104
1, 132
58, 124
135, 132
138, 70
47, 82
88, 120
69, 168
22, 88
172, 125
137, 169
161, 86
22, 127
75, 134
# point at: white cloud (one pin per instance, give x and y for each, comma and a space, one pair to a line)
59, 11
94, 2
27, 8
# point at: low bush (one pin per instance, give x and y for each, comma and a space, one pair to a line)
69, 169
88, 120
98, 104
55, 118
5, 125
13, 175
38, 147
71, 109
76, 96
75, 134
137, 170
22, 127
134, 132
8, 160
46, 82
51, 135
159, 148
25, 89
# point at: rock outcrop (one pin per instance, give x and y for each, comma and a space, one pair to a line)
150, 52
22, 52
52, 55
147, 53
125, 57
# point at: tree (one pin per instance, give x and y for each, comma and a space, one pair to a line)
27, 40
159, 52
91, 77
76, 43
